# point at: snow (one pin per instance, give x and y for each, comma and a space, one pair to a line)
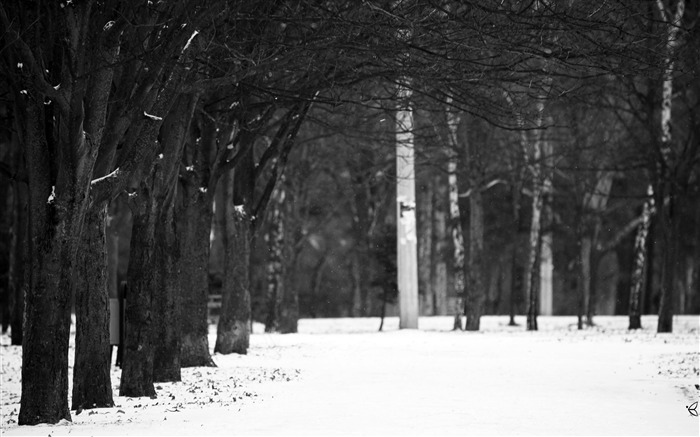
340, 376
152, 117
189, 41
52, 196
113, 174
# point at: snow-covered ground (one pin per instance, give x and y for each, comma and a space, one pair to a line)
340, 376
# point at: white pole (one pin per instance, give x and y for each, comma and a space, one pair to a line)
407, 255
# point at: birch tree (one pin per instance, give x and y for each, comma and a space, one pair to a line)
666, 192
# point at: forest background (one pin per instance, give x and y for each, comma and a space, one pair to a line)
248, 150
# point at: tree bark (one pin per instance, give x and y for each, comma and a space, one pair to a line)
640, 264
233, 331
175, 129
440, 249
57, 214
532, 271
195, 221
584, 282
668, 223
455, 222
166, 363
275, 238
92, 385
476, 296
666, 190
424, 214
139, 338
515, 280
361, 232
19, 259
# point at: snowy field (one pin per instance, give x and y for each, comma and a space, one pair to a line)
341, 377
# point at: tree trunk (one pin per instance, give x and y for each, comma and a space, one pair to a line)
6, 215
515, 280
532, 271
289, 310
593, 292
151, 311
667, 192
233, 331
195, 221
546, 297
57, 214
640, 264
424, 215
361, 232
584, 291
140, 330
19, 259
275, 263
194, 229
92, 385
667, 222
440, 250
476, 297
166, 363
455, 222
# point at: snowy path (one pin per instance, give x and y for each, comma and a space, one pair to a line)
428, 382
417, 383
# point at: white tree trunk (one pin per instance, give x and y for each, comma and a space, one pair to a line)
666, 171
546, 298
453, 120
640, 244
546, 276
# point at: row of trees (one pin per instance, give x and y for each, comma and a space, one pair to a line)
233, 118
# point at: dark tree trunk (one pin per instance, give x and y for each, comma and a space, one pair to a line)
289, 310
361, 231
194, 230
166, 363
515, 280
6, 216
139, 338
57, 214
593, 285
424, 222
668, 223
584, 292
584, 273
233, 331
440, 250
92, 386
19, 259
476, 295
